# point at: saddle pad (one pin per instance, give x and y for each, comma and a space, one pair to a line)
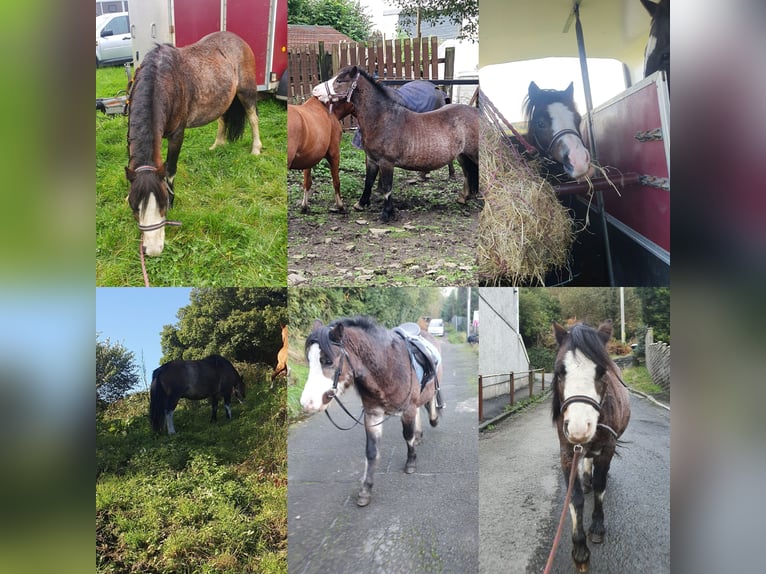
424, 355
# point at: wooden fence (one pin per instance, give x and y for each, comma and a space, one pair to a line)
400, 59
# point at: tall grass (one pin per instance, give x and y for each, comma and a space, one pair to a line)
210, 499
233, 205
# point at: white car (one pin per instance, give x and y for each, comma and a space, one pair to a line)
113, 41
436, 327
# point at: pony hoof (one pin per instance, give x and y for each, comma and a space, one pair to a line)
363, 499
409, 468
336, 209
596, 538
583, 567
304, 209
358, 207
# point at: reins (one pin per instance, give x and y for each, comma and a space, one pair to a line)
557, 538
334, 396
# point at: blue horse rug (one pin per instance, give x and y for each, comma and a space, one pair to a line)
418, 96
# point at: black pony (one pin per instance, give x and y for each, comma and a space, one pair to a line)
657, 56
210, 377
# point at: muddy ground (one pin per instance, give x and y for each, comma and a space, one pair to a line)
431, 241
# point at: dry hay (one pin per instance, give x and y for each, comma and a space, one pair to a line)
524, 232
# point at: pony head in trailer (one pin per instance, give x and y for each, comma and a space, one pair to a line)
591, 409
554, 129
657, 55
395, 372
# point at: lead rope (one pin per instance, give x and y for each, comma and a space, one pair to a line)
557, 538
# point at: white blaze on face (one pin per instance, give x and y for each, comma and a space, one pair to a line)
580, 380
154, 241
324, 91
651, 44
562, 118
317, 383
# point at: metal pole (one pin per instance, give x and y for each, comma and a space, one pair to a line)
481, 399
513, 390
622, 315
591, 139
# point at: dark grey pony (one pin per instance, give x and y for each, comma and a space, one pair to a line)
210, 377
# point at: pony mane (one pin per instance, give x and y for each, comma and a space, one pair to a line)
380, 88
546, 97
321, 336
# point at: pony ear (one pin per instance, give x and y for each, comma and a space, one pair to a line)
570, 90
533, 90
317, 325
605, 331
336, 334
650, 6
560, 332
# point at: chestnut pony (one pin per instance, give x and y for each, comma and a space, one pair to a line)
313, 134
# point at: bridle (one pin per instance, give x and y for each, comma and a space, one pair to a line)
151, 227
554, 140
333, 395
333, 97
593, 403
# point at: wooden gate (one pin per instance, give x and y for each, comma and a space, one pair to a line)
401, 59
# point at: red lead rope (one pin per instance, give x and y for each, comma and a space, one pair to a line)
557, 539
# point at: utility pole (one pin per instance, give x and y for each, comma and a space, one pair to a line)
622, 315
468, 315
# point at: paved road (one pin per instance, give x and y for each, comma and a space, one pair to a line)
422, 522
522, 492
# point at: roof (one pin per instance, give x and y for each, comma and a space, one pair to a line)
298, 34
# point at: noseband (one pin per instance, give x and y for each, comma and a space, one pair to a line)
556, 137
592, 402
162, 223
338, 97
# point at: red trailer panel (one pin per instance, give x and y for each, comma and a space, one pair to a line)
194, 19
621, 128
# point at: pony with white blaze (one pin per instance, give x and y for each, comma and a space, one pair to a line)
554, 128
590, 408
657, 54
395, 372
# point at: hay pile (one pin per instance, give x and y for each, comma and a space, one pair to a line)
524, 232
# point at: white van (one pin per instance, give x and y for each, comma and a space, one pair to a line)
113, 42
436, 327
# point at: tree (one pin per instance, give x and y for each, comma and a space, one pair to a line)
655, 310
116, 372
463, 12
346, 16
538, 309
238, 323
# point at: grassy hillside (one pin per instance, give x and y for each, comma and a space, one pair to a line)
212, 498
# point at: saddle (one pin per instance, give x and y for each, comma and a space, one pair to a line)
424, 355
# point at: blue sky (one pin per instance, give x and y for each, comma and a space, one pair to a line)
135, 317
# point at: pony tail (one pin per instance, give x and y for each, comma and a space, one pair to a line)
156, 405
234, 120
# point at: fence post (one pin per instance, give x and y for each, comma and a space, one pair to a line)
542, 371
531, 383
481, 399
449, 67
513, 389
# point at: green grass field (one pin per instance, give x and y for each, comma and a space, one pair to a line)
233, 205
212, 498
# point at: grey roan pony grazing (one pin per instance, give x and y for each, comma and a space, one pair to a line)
591, 407
384, 368
393, 136
175, 89
210, 377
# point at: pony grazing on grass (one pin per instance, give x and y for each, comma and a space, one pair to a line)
211, 378
590, 408
175, 89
